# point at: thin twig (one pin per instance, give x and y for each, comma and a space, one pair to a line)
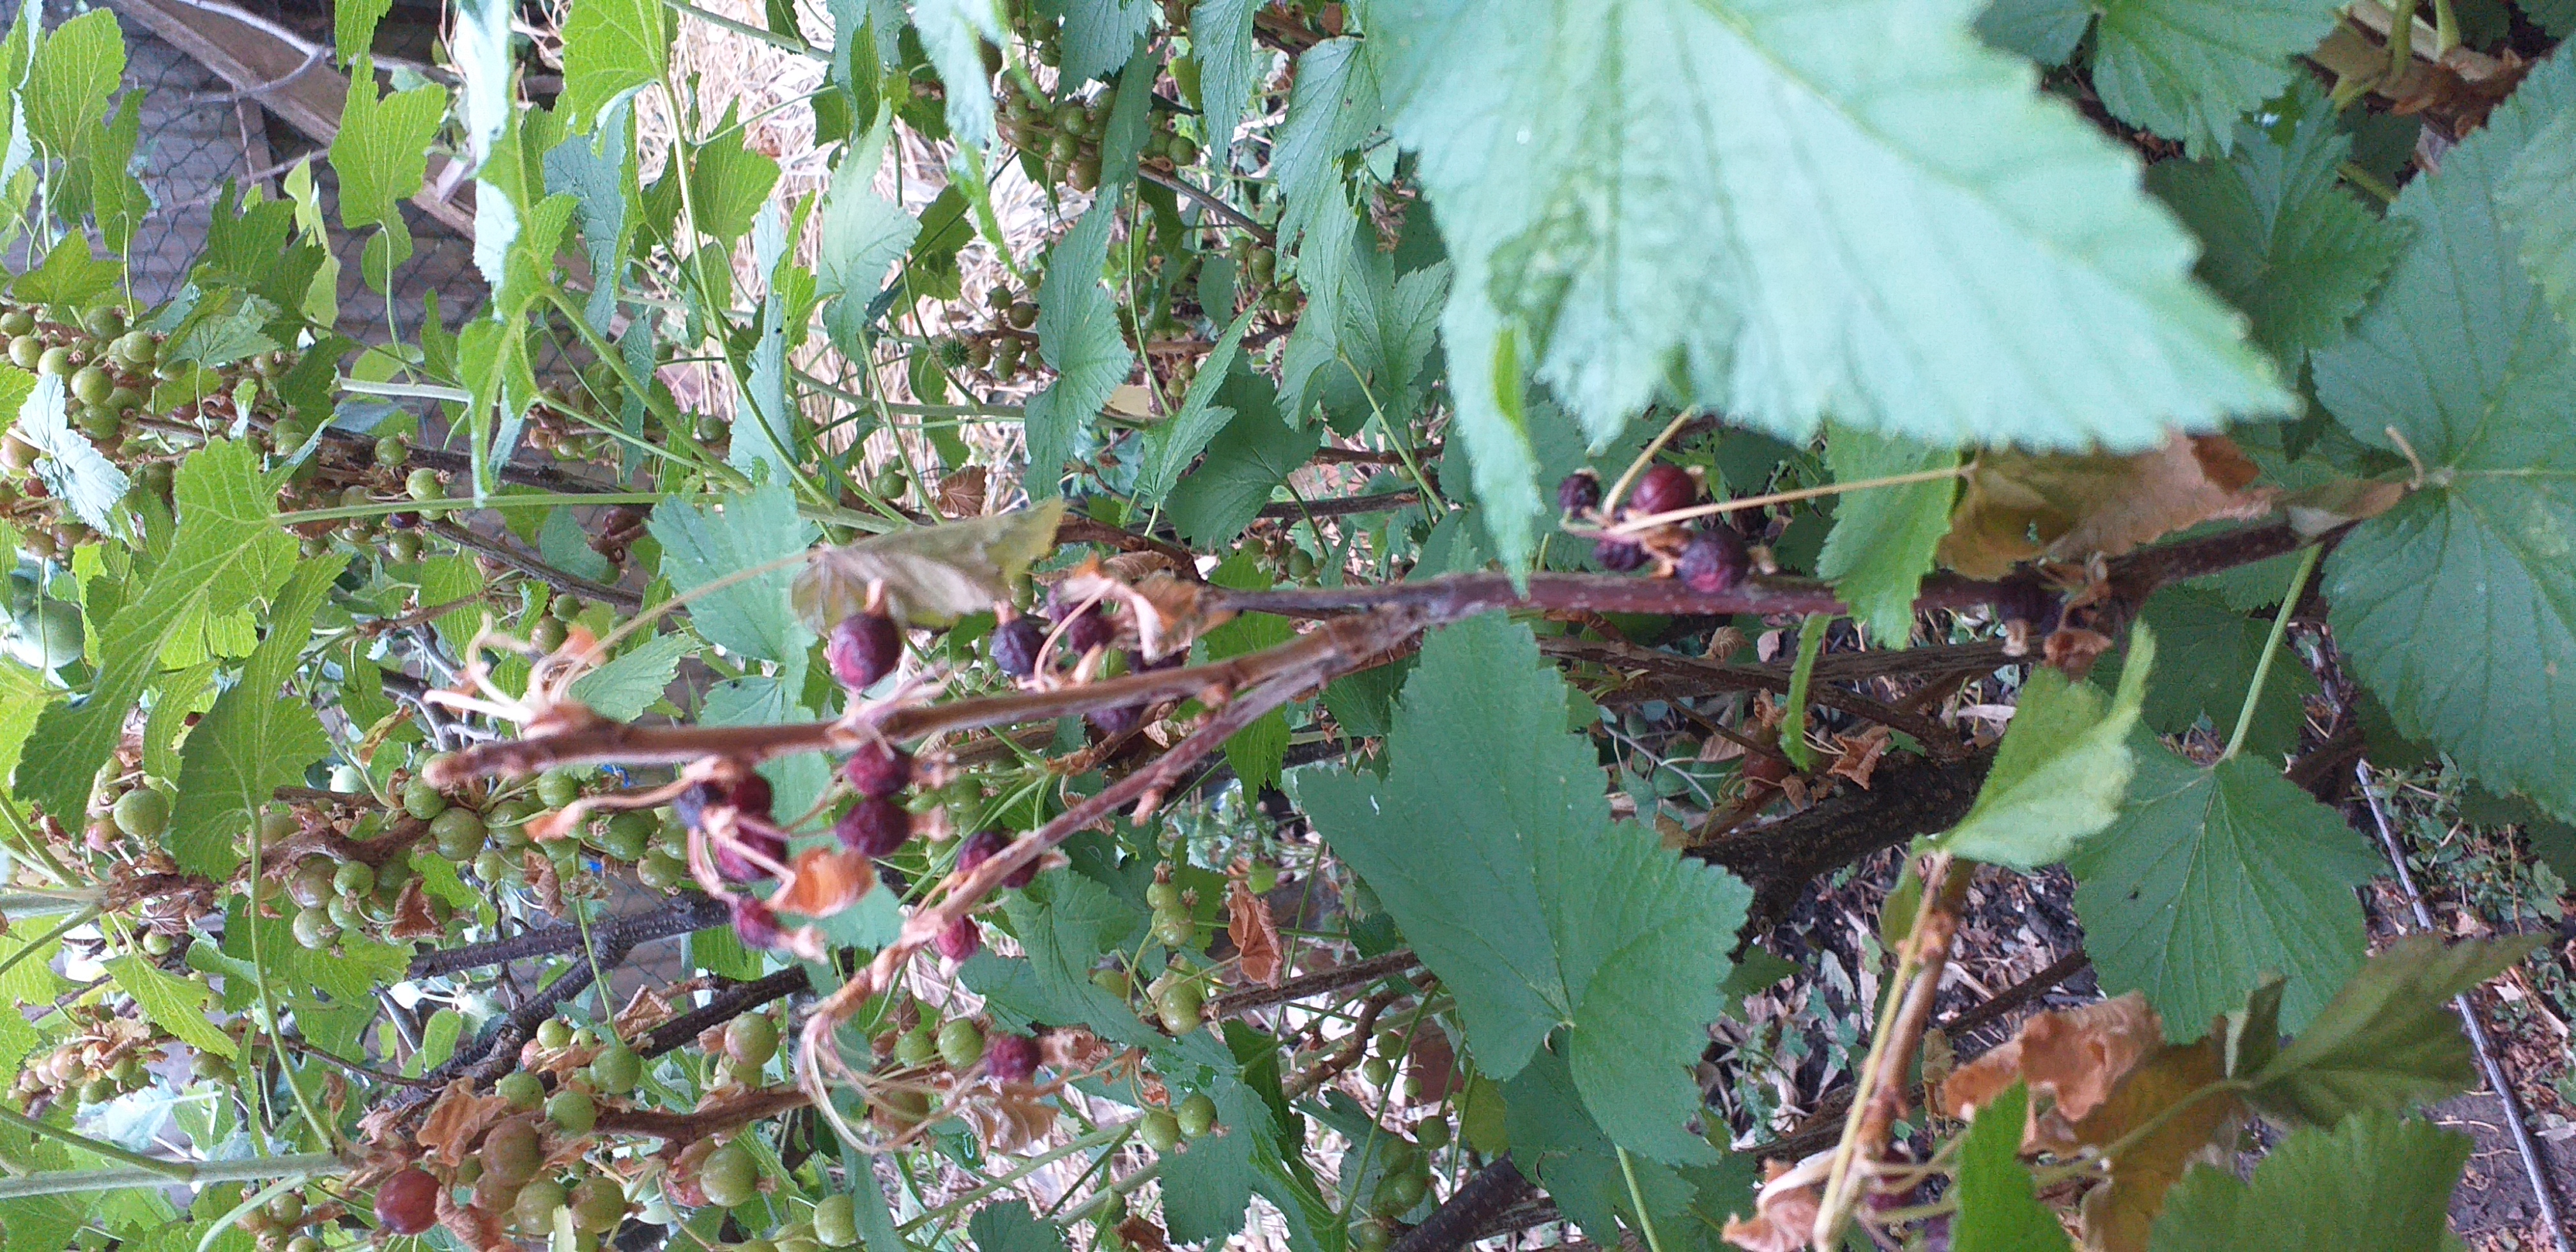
684, 913
531, 566
2497, 1081
1349, 974
1233, 216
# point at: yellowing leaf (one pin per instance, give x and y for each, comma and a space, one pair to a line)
2060, 771
931, 575
2018, 505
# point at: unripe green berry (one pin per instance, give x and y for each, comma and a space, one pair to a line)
960, 1044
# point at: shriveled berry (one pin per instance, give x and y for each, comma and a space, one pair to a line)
736, 863
1086, 630
960, 940
875, 826
752, 795
1111, 723
1714, 561
983, 846
1579, 491
878, 769
407, 1203
755, 924
2024, 596
1618, 555
1010, 1057
1662, 489
863, 649
1015, 645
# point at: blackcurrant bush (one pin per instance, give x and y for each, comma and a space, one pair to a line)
863, 649
729, 1176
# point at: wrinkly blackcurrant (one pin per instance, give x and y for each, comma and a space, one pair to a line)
1662, 489
875, 826
1579, 491
1010, 1057
1714, 561
878, 770
961, 940
863, 649
983, 846
1015, 645
1618, 555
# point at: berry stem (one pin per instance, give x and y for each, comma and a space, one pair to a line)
1713, 508
1637, 1197
1645, 457
2271, 646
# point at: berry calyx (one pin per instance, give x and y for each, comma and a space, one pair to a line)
407, 1203
1015, 645
863, 649
1715, 560
878, 770
875, 826
1010, 1057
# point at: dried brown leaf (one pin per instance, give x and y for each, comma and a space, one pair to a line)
1256, 937
2074, 1057
1784, 1210
1859, 755
1011, 1118
542, 880
456, 1121
962, 494
1143, 1235
1165, 612
2118, 1214
1071, 1050
2019, 505
824, 881
412, 919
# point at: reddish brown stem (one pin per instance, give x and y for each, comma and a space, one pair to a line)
713, 1118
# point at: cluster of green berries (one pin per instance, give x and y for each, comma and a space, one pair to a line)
86, 1072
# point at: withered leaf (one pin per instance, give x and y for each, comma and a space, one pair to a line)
1165, 612
1010, 1119
962, 494
1255, 935
2019, 505
2074, 1057
824, 881
1784, 1210
1858, 760
932, 575
412, 918
457, 1120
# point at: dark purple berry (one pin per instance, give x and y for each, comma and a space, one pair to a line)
1581, 490
736, 866
755, 924
1015, 645
752, 797
874, 827
1618, 555
692, 803
407, 1203
402, 521
1137, 664
1662, 489
983, 846
960, 940
878, 769
1010, 1057
1714, 561
1088, 629
1111, 723
863, 649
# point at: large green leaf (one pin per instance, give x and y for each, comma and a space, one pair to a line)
703, 543
2389, 1039
225, 554
382, 152
174, 1004
624, 687
2186, 69
71, 469
1883, 538
69, 81
255, 739
1788, 210
1999, 1209
2373, 1184
1554, 1142
1099, 35
2458, 607
2061, 769
1243, 464
2213, 880
610, 48
2281, 237
2224, 645
953, 32
1078, 336
1492, 845
1230, 66
1178, 440
1064, 922
2538, 199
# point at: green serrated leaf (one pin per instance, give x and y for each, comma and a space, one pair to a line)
1179, 439
2458, 606
71, 276
2060, 771
69, 80
1882, 541
729, 182
2214, 880
382, 152
225, 554
255, 739
2187, 69
1490, 841
353, 26
1999, 1209
2538, 200
623, 688
1230, 65
2281, 237
953, 32
71, 468
174, 1004
929, 575
1010, 1227
753, 617
2374, 1184
1079, 339
1065, 922
1743, 200
610, 48
2224, 644
2388, 1040
1242, 466
1208, 1185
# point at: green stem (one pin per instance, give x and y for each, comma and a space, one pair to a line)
268, 1009
163, 1173
2446, 28
1110, 1134
166, 1169
385, 508
2380, 188
2401, 42
1637, 1197
748, 31
2272, 645
1793, 731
